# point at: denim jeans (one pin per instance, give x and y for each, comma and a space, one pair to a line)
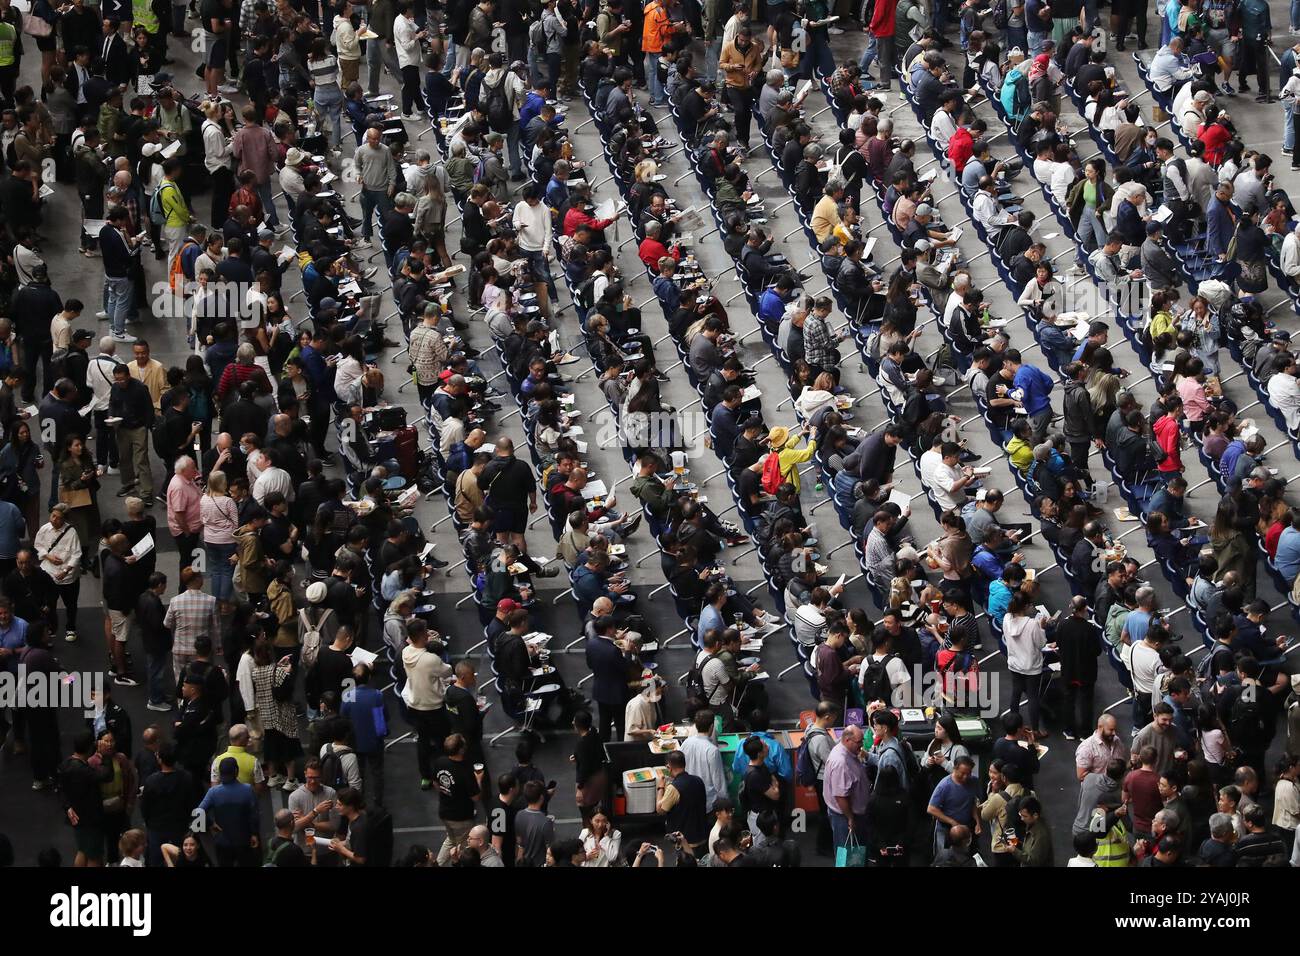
512, 148
268, 204
1295, 15
712, 53
658, 95
329, 103
1036, 41
840, 828
159, 668
541, 271
370, 200
820, 57
1288, 131
1090, 233
119, 293
221, 573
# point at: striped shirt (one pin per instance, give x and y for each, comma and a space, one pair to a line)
324, 72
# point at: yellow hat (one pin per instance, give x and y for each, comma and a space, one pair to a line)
778, 437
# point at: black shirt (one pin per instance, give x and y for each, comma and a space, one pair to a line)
501, 822
166, 801
753, 792
284, 852
508, 481
132, 403
457, 789
462, 708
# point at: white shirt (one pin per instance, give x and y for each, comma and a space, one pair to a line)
217, 147
1143, 666
273, 479
988, 212
930, 463
607, 848
1291, 255
942, 127
533, 227
68, 550
404, 38
1284, 395
945, 479
100, 376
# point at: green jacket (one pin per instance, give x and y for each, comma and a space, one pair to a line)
653, 494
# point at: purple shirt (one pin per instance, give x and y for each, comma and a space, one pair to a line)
845, 776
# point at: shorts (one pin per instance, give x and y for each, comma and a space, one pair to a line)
217, 54
1219, 41
89, 841
119, 623
47, 44
435, 233
507, 520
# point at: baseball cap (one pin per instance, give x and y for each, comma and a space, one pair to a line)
316, 592
508, 604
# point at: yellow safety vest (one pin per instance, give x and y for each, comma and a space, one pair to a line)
8, 37
247, 763
1112, 849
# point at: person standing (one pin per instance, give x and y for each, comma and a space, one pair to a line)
1078, 644
79, 784
255, 149
459, 790
588, 758
406, 38
157, 638
377, 174
846, 789
120, 252
184, 512
130, 403
426, 673
681, 799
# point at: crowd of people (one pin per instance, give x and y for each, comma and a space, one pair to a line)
297, 629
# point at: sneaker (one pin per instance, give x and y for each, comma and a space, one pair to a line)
276, 781
361, 243
149, 501
70, 637
1077, 270
371, 272
1227, 90
101, 315
41, 785
436, 562
566, 358
631, 526
161, 708
228, 88
1068, 735
291, 785
123, 337
110, 470
1243, 88
126, 490
1286, 151
125, 680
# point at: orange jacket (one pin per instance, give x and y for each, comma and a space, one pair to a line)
656, 28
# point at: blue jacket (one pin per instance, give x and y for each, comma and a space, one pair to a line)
771, 307
777, 760
987, 563
1218, 227
12, 527
365, 707
1036, 386
609, 669
999, 599
233, 807
587, 586
1287, 560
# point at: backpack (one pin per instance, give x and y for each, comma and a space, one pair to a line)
496, 106
585, 294
805, 773
309, 636
875, 680
480, 170
156, 214
537, 38
1246, 727
331, 769
771, 479
695, 680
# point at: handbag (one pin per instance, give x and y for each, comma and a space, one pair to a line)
851, 854
36, 26
75, 497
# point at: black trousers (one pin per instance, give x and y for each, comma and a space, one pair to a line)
1253, 55
43, 742
185, 546
611, 715
742, 103
223, 187
32, 352
411, 95
1079, 718
431, 729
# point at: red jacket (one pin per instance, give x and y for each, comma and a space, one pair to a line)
1168, 437
652, 250
576, 217
961, 146
882, 18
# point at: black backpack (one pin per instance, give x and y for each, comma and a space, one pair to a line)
331, 769
495, 104
1246, 726
695, 680
875, 680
